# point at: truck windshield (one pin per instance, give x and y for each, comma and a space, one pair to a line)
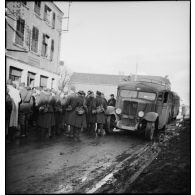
148, 96
127, 93
136, 94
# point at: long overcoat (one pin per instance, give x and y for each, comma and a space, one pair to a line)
90, 103
14, 94
25, 106
75, 119
100, 117
65, 112
27, 101
58, 111
46, 117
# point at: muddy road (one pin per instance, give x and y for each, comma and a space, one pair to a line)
60, 165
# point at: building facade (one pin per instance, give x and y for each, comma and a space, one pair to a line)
33, 36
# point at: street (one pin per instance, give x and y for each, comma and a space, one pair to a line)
60, 165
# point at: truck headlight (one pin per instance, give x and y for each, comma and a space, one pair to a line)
118, 111
140, 113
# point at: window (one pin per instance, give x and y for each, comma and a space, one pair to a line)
165, 97
30, 79
127, 93
44, 45
170, 98
15, 73
35, 37
47, 14
147, 96
37, 7
53, 20
160, 96
52, 49
43, 81
19, 39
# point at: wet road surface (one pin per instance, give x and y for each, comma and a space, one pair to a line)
61, 165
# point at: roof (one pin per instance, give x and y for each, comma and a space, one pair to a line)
90, 78
58, 8
158, 79
144, 86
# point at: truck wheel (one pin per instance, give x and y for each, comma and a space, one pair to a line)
109, 125
149, 130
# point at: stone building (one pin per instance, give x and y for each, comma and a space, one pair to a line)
33, 36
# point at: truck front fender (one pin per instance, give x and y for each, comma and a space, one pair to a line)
110, 110
151, 116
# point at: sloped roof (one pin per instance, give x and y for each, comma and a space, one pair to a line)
57, 7
108, 79
90, 78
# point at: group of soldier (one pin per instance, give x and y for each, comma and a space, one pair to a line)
53, 112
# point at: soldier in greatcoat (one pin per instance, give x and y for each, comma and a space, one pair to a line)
58, 114
46, 118
91, 115
25, 109
76, 114
84, 128
15, 95
101, 107
103, 97
67, 112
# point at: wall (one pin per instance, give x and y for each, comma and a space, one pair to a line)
106, 89
32, 19
25, 68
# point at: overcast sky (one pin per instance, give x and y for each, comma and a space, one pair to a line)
110, 37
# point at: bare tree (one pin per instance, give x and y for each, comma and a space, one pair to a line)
65, 74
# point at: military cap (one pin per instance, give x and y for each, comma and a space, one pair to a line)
80, 92
89, 92
98, 92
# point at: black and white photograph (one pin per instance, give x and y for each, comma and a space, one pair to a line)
97, 97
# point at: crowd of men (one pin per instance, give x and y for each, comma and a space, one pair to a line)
53, 112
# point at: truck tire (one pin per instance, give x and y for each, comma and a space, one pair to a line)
149, 130
109, 125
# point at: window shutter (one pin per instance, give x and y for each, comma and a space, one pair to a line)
18, 25
37, 35
53, 20
45, 12
52, 45
43, 42
33, 33
22, 26
43, 39
48, 47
